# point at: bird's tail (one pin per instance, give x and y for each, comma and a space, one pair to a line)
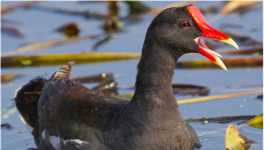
27, 97
26, 100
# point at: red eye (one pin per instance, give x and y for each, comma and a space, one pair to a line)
184, 24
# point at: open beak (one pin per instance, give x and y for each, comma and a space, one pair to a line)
209, 32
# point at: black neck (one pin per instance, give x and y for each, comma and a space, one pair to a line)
153, 102
153, 110
155, 73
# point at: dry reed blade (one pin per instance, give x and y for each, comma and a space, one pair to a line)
209, 98
48, 44
58, 59
8, 8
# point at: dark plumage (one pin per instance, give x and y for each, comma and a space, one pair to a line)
71, 117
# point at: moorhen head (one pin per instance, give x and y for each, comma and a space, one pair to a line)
67, 115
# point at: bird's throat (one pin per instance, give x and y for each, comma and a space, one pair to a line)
154, 77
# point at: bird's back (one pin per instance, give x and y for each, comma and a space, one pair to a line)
69, 115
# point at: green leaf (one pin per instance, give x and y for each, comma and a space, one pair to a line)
256, 122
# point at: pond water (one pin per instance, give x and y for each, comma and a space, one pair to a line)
38, 24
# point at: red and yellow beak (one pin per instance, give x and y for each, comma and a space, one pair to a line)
209, 32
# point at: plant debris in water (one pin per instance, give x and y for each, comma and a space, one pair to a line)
112, 24
235, 140
260, 97
248, 51
10, 76
113, 8
12, 31
238, 6
6, 125
216, 97
242, 39
94, 78
49, 44
59, 59
256, 122
11, 7
103, 40
222, 120
188, 89
136, 8
108, 88
69, 30
241, 62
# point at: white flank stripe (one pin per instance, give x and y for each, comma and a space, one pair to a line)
30, 129
77, 141
56, 141
43, 134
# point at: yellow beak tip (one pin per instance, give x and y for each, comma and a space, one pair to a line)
236, 46
220, 63
224, 67
231, 42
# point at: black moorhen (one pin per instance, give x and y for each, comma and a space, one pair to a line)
62, 114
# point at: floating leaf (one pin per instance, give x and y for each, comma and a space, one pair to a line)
6, 125
256, 122
260, 97
229, 62
59, 59
12, 31
9, 77
235, 140
49, 44
70, 29
94, 78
